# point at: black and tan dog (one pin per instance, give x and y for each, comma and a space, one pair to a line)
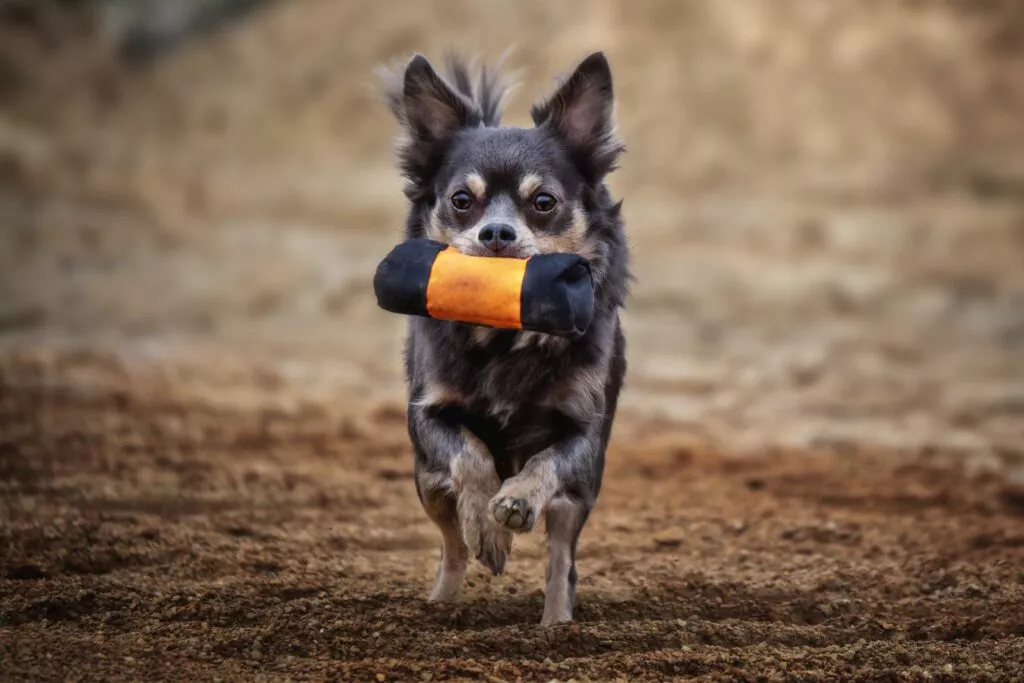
510, 426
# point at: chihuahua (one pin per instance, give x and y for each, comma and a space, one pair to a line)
509, 427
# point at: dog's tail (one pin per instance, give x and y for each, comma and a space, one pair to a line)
484, 87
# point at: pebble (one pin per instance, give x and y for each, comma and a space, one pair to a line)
668, 539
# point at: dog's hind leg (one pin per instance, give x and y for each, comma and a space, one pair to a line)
564, 519
440, 504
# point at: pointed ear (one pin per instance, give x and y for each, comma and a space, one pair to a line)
433, 111
581, 114
430, 112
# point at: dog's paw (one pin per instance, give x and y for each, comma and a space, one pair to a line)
555, 618
487, 542
495, 546
515, 514
445, 590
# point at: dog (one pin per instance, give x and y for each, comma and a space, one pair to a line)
509, 427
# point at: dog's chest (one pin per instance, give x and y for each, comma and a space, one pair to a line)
505, 386
506, 382
502, 378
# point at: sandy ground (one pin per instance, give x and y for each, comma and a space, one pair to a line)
818, 471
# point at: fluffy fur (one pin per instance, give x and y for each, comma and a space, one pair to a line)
509, 428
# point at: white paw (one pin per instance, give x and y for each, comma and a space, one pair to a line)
486, 541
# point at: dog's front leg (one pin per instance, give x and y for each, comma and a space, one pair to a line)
560, 482
456, 478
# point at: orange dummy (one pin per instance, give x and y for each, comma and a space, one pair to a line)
549, 293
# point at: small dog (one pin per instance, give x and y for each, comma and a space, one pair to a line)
510, 426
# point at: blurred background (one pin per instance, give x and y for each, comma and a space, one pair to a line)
825, 200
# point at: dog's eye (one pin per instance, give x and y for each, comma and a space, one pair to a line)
544, 202
462, 201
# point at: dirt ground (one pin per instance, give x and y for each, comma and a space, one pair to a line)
818, 470
151, 536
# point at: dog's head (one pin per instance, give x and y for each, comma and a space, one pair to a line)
490, 190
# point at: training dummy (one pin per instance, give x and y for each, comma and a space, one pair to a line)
549, 293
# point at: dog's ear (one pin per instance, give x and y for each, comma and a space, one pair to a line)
430, 113
581, 114
433, 110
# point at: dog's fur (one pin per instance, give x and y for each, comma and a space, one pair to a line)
508, 426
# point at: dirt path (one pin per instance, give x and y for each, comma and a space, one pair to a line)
151, 535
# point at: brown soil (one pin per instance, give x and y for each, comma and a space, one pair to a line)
818, 471
147, 536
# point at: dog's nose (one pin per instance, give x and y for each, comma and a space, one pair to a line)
497, 236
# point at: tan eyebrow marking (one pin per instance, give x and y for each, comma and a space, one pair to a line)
477, 185
529, 184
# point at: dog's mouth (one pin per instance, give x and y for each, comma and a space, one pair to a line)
519, 251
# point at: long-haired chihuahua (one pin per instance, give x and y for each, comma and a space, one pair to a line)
510, 427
